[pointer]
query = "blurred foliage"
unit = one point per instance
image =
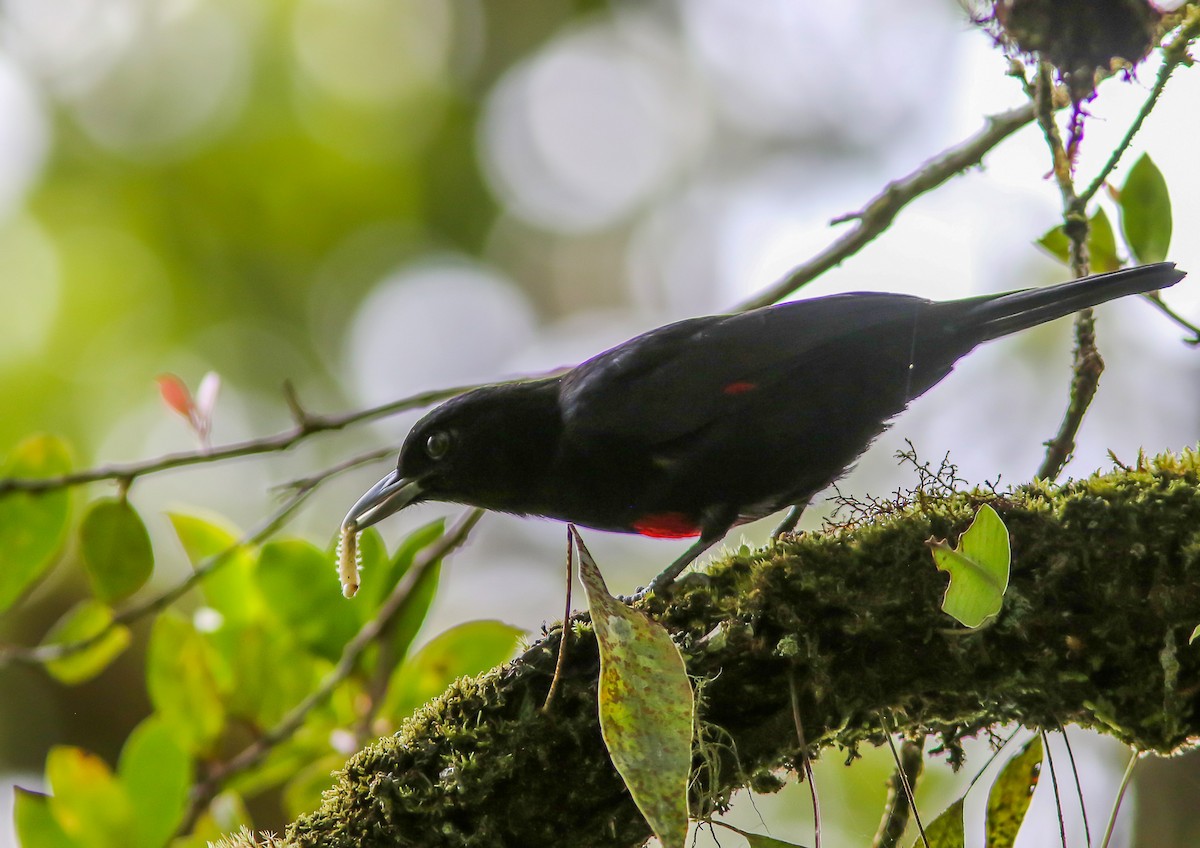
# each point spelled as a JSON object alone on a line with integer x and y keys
{"x": 231, "y": 672}
{"x": 213, "y": 243}
{"x": 156, "y": 238}
{"x": 221, "y": 193}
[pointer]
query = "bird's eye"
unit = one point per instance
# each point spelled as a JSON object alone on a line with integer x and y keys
{"x": 438, "y": 444}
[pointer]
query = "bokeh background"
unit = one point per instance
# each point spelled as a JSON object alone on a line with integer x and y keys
{"x": 372, "y": 198}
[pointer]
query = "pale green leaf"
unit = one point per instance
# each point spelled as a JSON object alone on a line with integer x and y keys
{"x": 379, "y": 576}
{"x": 978, "y": 569}
{"x": 467, "y": 649}
{"x": 116, "y": 549}
{"x": 32, "y": 526}
{"x": 83, "y": 621}
{"x": 263, "y": 651}
{"x": 35, "y": 824}
{"x": 646, "y": 706}
{"x": 156, "y": 773}
{"x": 185, "y": 682}
{"x": 1056, "y": 243}
{"x": 947, "y": 830}
{"x": 87, "y": 800}
{"x": 1102, "y": 245}
{"x": 757, "y": 840}
{"x": 381, "y": 573}
{"x": 1009, "y": 798}
{"x": 1146, "y": 212}
{"x": 229, "y": 588}
{"x": 299, "y": 583}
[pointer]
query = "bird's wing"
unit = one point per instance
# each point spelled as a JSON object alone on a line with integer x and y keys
{"x": 677, "y": 379}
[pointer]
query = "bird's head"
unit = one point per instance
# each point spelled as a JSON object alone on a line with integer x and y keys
{"x": 478, "y": 448}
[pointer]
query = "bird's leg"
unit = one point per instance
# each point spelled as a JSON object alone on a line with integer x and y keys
{"x": 789, "y": 521}
{"x": 668, "y": 575}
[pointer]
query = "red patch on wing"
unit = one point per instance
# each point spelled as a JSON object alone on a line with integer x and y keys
{"x": 666, "y": 525}
{"x": 739, "y": 387}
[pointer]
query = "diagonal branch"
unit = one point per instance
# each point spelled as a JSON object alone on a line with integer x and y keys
{"x": 1175, "y": 53}
{"x": 874, "y": 218}
{"x": 307, "y": 425}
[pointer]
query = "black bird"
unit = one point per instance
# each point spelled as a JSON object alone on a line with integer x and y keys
{"x": 695, "y": 427}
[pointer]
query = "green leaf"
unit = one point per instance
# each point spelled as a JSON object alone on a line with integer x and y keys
{"x": 1101, "y": 244}
{"x": 156, "y": 772}
{"x": 116, "y": 549}
{"x": 32, "y": 526}
{"x": 467, "y": 649}
{"x": 978, "y": 569}
{"x": 83, "y": 621}
{"x": 230, "y": 588}
{"x": 1195, "y": 634}
{"x": 1145, "y": 207}
{"x": 380, "y": 576}
{"x": 88, "y": 802}
{"x": 185, "y": 683}
{"x": 646, "y": 706}
{"x": 1009, "y": 799}
{"x": 757, "y": 840}
{"x": 299, "y": 581}
{"x": 35, "y": 824}
{"x": 1056, "y": 243}
{"x": 947, "y": 830}
{"x": 258, "y": 652}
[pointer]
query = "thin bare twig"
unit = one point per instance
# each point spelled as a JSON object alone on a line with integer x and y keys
{"x": 392, "y": 607}
{"x": 307, "y": 425}
{"x": 1062, "y": 822}
{"x": 805, "y": 760}
{"x": 874, "y": 218}
{"x": 1087, "y": 829}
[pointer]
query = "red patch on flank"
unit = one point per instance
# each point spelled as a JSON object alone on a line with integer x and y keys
{"x": 740, "y": 387}
{"x": 666, "y": 525}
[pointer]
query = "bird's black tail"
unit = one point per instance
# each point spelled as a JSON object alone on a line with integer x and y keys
{"x": 998, "y": 315}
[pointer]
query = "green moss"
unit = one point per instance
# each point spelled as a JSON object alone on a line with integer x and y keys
{"x": 1105, "y": 591}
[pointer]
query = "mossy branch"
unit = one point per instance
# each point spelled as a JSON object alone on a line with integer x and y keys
{"x": 1104, "y": 595}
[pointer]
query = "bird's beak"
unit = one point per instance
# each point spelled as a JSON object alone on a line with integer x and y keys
{"x": 391, "y": 494}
